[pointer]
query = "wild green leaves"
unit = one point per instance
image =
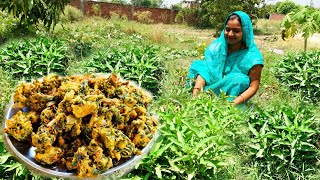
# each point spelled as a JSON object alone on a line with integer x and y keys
{"x": 136, "y": 62}
{"x": 284, "y": 143}
{"x": 197, "y": 140}
{"x": 35, "y": 58}
{"x": 301, "y": 72}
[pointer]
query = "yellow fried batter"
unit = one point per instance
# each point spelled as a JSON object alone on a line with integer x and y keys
{"x": 83, "y": 123}
{"x": 49, "y": 155}
{"x": 20, "y": 125}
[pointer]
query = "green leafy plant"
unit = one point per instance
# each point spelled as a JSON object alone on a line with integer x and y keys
{"x": 300, "y": 71}
{"x": 197, "y": 139}
{"x": 34, "y": 58}
{"x": 305, "y": 21}
{"x": 144, "y": 17}
{"x": 285, "y": 142}
{"x": 96, "y": 9}
{"x": 9, "y": 25}
{"x": 71, "y": 14}
{"x": 139, "y": 63}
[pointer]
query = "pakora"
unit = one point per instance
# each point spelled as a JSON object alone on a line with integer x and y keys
{"x": 82, "y": 123}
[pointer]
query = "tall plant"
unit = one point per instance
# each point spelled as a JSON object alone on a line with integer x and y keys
{"x": 305, "y": 21}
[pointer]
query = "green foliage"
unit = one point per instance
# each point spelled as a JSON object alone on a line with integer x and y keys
{"x": 301, "y": 72}
{"x": 197, "y": 139}
{"x": 144, "y": 17}
{"x": 30, "y": 59}
{"x": 96, "y": 9}
{"x": 188, "y": 15}
{"x": 217, "y": 11}
{"x": 285, "y": 142}
{"x": 71, "y": 14}
{"x": 148, "y": 3}
{"x": 305, "y": 21}
{"x": 287, "y": 6}
{"x": 33, "y": 12}
{"x": 9, "y": 25}
{"x": 139, "y": 63}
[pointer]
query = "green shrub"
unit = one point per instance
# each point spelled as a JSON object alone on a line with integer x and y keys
{"x": 197, "y": 139}
{"x": 71, "y": 14}
{"x": 187, "y": 15}
{"x": 144, "y": 17}
{"x": 9, "y": 25}
{"x": 96, "y": 9}
{"x": 285, "y": 142}
{"x": 139, "y": 63}
{"x": 30, "y": 59}
{"x": 300, "y": 71}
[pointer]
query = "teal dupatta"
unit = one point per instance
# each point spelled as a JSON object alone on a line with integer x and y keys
{"x": 228, "y": 72}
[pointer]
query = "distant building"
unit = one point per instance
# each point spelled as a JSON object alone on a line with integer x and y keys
{"x": 190, "y": 3}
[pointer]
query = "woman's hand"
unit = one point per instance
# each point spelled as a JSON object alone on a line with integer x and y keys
{"x": 255, "y": 75}
{"x": 199, "y": 84}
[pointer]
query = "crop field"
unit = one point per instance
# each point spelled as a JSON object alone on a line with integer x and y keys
{"x": 205, "y": 137}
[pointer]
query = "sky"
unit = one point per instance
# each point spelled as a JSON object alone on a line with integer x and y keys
{"x": 316, "y": 3}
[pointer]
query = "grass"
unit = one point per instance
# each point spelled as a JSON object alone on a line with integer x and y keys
{"x": 100, "y": 33}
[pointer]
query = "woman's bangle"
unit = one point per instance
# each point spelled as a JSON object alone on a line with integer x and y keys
{"x": 242, "y": 98}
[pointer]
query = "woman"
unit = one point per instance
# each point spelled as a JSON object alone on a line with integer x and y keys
{"x": 232, "y": 63}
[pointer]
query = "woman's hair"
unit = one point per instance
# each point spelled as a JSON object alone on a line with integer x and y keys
{"x": 234, "y": 16}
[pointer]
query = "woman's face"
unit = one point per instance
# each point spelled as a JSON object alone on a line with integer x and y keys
{"x": 233, "y": 32}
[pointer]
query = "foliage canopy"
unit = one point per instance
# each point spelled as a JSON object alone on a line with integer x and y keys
{"x": 35, "y": 11}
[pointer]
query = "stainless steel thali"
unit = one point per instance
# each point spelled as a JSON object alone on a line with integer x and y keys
{"x": 24, "y": 152}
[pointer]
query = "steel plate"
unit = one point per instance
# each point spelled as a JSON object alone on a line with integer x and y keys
{"x": 24, "y": 152}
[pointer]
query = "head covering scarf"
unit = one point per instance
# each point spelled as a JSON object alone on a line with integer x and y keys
{"x": 214, "y": 67}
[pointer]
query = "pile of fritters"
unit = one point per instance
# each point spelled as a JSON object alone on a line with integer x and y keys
{"x": 82, "y": 123}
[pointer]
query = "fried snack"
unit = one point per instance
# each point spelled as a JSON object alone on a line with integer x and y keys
{"x": 82, "y": 123}
{"x": 20, "y": 125}
{"x": 48, "y": 155}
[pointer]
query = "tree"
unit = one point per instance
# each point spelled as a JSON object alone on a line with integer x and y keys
{"x": 35, "y": 11}
{"x": 216, "y": 11}
{"x": 287, "y": 6}
{"x": 305, "y": 21}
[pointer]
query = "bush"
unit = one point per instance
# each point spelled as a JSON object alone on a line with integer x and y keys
{"x": 71, "y": 14}
{"x": 9, "y": 25}
{"x": 198, "y": 139}
{"x": 96, "y": 9}
{"x": 115, "y": 15}
{"x": 144, "y": 17}
{"x": 285, "y": 142}
{"x": 30, "y": 59}
{"x": 300, "y": 71}
{"x": 188, "y": 16}
{"x": 139, "y": 63}
{"x": 287, "y": 6}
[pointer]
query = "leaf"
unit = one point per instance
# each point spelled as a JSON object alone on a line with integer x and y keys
{"x": 260, "y": 153}
{"x": 253, "y": 130}
{"x": 158, "y": 171}
{"x": 4, "y": 157}
{"x": 161, "y": 150}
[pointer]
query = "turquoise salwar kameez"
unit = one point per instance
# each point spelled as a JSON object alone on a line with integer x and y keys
{"x": 228, "y": 72}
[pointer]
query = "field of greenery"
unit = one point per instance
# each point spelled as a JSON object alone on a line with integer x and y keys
{"x": 205, "y": 137}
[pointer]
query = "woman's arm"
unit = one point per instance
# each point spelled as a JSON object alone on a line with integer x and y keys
{"x": 199, "y": 84}
{"x": 255, "y": 75}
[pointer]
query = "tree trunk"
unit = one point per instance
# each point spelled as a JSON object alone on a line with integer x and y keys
{"x": 82, "y": 6}
{"x": 305, "y": 44}
{"x": 132, "y": 9}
